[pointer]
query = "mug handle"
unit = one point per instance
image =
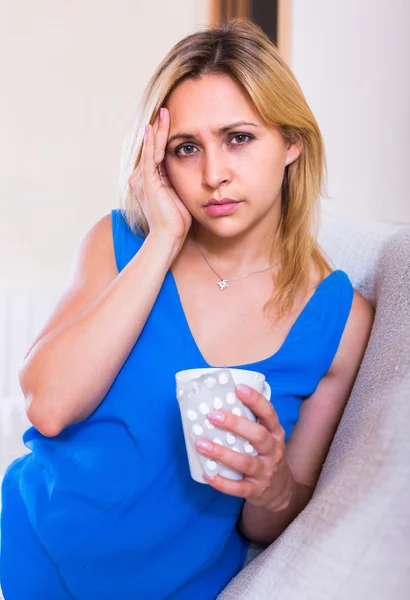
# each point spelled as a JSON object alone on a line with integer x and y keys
{"x": 267, "y": 392}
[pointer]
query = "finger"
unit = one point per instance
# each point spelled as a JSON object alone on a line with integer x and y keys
{"x": 261, "y": 407}
{"x": 162, "y": 135}
{"x": 136, "y": 183}
{"x": 156, "y": 126}
{"x": 242, "y": 488}
{"x": 256, "y": 434}
{"x": 162, "y": 170}
{"x": 135, "y": 179}
{"x": 149, "y": 168}
{"x": 244, "y": 463}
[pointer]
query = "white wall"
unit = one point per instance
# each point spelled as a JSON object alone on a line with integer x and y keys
{"x": 71, "y": 76}
{"x": 352, "y": 59}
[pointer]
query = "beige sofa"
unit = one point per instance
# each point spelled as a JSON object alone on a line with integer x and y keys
{"x": 352, "y": 541}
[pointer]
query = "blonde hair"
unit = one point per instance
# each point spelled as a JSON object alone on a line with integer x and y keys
{"x": 244, "y": 52}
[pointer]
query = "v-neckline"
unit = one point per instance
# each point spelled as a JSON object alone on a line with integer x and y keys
{"x": 286, "y": 341}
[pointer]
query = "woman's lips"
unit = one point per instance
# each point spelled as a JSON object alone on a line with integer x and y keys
{"x": 221, "y": 209}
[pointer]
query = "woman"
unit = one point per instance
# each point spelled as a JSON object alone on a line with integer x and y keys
{"x": 213, "y": 261}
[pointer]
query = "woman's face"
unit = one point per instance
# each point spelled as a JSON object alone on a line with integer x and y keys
{"x": 245, "y": 162}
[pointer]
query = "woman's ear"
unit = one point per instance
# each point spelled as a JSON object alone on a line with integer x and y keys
{"x": 293, "y": 152}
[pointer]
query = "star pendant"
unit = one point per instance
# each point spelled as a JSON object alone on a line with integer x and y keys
{"x": 222, "y": 284}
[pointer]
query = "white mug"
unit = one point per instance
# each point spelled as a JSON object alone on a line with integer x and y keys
{"x": 184, "y": 380}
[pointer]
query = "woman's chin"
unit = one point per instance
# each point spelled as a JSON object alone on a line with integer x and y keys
{"x": 222, "y": 229}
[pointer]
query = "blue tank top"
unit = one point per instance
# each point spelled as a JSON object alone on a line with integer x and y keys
{"x": 107, "y": 509}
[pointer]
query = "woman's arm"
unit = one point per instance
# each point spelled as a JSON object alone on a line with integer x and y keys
{"x": 310, "y": 440}
{"x": 72, "y": 363}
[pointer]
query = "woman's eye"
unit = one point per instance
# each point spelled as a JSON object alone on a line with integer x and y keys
{"x": 241, "y": 135}
{"x": 243, "y": 138}
{"x": 177, "y": 151}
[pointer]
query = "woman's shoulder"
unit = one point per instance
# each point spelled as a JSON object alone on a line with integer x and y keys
{"x": 96, "y": 251}
{"x": 355, "y": 337}
{"x": 106, "y": 240}
{"x": 98, "y": 239}
{"x": 120, "y": 221}
{"x": 361, "y": 310}
{"x": 316, "y": 279}
{"x": 336, "y": 276}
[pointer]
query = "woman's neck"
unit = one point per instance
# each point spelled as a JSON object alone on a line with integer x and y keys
{"x": 234, "y": 255}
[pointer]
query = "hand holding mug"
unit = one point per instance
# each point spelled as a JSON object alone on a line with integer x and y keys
{"x": 267, "y": 481}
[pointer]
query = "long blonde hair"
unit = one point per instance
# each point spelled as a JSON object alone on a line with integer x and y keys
{"x": 245, "y": 53}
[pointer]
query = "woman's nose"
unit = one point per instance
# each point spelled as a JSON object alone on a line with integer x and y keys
{"x": 216, "y": 169}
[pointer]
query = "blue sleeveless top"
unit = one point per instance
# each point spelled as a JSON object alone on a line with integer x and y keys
{"x": 107, "y": 509}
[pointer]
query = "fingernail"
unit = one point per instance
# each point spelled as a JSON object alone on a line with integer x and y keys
{"x": 216, "y": 416}
{"x": 244, "y": 389}
{"x": 161, "y": 113}
{"x": 204, "y": 444}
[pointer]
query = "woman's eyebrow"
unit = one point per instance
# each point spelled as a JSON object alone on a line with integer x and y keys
{"x": 222, "y": 130}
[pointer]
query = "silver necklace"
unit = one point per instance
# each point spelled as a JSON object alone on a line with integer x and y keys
{"x": 223, "y": 283}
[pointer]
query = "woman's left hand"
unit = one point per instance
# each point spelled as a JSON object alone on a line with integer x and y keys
{"x": 268, "y": 481}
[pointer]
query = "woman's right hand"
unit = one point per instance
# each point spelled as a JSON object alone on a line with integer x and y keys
{"x": 164, "y": 210}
